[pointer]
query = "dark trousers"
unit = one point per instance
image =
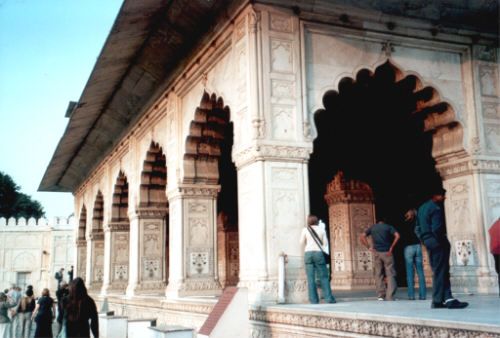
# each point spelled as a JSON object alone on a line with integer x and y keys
{"x": 440, "y": 264}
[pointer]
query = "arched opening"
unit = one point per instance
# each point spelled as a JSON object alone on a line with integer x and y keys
{"x": 153, "y": 179}
{"x": 208, "y": 160}
{"x": 376, "y": 135}
{"x": 82, "y": 224}
{"x": 81, "y": 244}
{"x": 97, "y": 243}
{"x": 154, "y": 231}
{"x": 119, "y": 227}
{"x": 119, "y": 208}
{"x": 98, "y": 214}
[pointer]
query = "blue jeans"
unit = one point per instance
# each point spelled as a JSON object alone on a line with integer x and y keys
{"x": 315, "y": 262}
{"x": 413, "y": 256}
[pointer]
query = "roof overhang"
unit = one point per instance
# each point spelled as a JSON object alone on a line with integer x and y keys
{"x": 148, "y": 46}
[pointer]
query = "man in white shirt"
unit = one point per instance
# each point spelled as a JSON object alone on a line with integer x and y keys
{"x": 316, "y": 243}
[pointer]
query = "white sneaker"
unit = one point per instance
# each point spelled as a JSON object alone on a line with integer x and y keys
{"x": 380, "y": 298}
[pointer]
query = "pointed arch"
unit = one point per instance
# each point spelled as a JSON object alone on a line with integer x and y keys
{"x": 82, "y": 224}
{"x": 98, "y": 213}
{"x": 438, "y": 116}
{"x": 206, "y": 132}
{"x": 119, "y": 207}
{"x": 153, "y": 178}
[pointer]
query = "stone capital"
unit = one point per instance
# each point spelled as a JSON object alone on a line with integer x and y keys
{"x": 117, "y": 226}
{"x": 96, "y": 236}
{"x": 194, "y": 191}
{"x": 267, "y": 152}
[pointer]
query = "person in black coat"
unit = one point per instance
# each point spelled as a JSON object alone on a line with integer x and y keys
{"x": 79, "y": 308}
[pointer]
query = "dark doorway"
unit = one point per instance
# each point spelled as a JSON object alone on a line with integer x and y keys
{"x": 372, "y": 130}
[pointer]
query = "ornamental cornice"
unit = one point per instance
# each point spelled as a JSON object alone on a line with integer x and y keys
{"x": 200, "y": 285}
{"x": 96, "y": 236}
{"x": 194, "y": 191}
{"x": 193, "y": 308}
{"x": 81, "y": 242}
{"x": 468, "y": 166}
{"x": 271, "y": 152}
{"x": 151, "y": 212}
{"x": 377, "y": 328}
{"x": 117, "y": 226}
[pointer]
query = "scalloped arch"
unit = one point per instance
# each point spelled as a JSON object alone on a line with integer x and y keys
{"x": 438, "y": 115}
{"x": 153, "y": 178}
{"x": 202, "y": 147}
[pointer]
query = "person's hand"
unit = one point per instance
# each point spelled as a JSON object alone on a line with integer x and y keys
{"x": 373, "y": 250}
{"x": 390, "y": 252}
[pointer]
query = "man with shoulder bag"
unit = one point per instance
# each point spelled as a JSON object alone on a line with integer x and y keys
{"x": 316, "y": 246}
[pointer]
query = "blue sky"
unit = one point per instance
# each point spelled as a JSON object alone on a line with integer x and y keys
{"x": 47, "y": 51}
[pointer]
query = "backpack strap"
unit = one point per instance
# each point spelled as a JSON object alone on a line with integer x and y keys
{"x": 316, "y": 238}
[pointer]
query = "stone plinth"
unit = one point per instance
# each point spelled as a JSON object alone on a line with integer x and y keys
{"x": 351, "y": 211}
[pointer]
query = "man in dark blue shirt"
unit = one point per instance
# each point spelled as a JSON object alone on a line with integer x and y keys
{"x": 384, "y": 238}
{"x": 431, "y": 231}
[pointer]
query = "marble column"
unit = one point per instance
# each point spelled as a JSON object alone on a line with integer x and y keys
{"x": 351, "y": 211}
{"x": 147, "y": 252}
{"x": 116, "y": 257}
{"x": 193, "y": 241}
{"x": 95, "y": 262}
{"x": 81, "y": 259}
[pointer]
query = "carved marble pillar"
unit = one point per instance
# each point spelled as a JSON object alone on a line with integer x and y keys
{"x": 95, "y": 263}
{"x": 116, "y": 271}
{"x": 351, "y": 211}
{"x": 147, "y": 252}
{"x": 193, "y": 241}
{"x": 272, "y": 188}
{"x": 81, "y": 259}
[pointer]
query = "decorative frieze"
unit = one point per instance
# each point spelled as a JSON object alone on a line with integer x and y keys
{"x": 270, "y": 153}
{"x": 274, "y": 323}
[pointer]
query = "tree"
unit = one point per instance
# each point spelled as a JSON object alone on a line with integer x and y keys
{"x": 16, "y": 204}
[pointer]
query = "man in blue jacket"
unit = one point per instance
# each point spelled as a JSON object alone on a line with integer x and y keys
{"x": 431, "y": 230}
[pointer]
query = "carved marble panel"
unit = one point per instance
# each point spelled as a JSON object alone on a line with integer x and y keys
{"x": 151, "y": 269}
{"x": 281, "y": 56}
{"x": 120, "y": 272}
{"x": 280, "y": 23}
{"x": 199, "y": 263}
{"x": 491, "y": 110}
{"x": 364, "y": 261}
{"x": 282, "y": 89}
{"x": 284, "y": 177}
{"x": 198, "y": 232}
{"x": 492, "y": 133}
{"x": 98, "y": 274}
{"x": 338, "y": 261}
{"x": 152, "y": 245}
{"x": 488, "y": 79}
{"x": 283, "y": 122}
{"x": 464, "y": 251}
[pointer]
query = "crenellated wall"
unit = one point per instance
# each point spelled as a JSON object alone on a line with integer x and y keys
{"x": 31, "y": 251}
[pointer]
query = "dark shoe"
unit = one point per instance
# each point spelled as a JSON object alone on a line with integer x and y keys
{"x": 332, "y": 301}
{"x": 422, "y": 298}
{"x": 411, "y": 298}
{"x": 437, "y": 305}
{"x": 455, "y": 304}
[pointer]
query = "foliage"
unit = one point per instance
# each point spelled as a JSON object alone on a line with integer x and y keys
{"x": 16, "y": 204}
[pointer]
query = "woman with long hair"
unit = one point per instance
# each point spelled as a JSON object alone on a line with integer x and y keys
{"x": 79, "y": 308}
{"x": 25, "y": 310}
{"x": 44, "y": 315}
